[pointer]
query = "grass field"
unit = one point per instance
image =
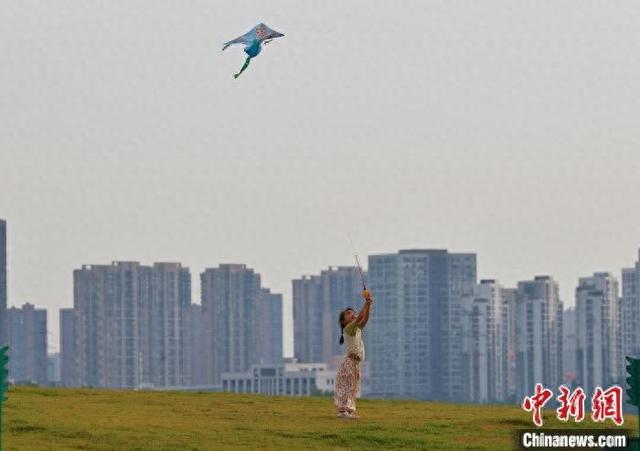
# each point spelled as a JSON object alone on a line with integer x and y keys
{"x": 45, "y": 418}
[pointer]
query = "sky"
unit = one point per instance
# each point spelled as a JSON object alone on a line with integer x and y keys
{"x": 498, "y": 127}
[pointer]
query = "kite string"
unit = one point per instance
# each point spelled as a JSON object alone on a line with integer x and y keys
{"x": 355, "y": 254}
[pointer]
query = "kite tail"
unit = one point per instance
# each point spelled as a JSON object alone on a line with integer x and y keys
{"x": 246, "y": 64}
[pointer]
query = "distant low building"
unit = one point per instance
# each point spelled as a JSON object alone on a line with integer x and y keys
{"x": 191, "y": 388}
{"x": 289, "y": 378}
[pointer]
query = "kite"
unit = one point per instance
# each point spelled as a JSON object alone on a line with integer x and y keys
{"x": 253, "y": 40}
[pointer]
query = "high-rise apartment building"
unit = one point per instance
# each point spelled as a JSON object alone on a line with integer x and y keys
{"x": 236, "y": 310}
{"x": 130, "y": 325}
{"x": 598, "y": 331}
{"x": 417, "y": 332}
{"x": 630, "y": 310}
{"x": 538, "y": 335}
{"x": 270, "y": 340}
{"x": 491, "y": 343}
{"x": 67, "y": 348}
{"x": 28, "y": 344}
{"x": 317, "y": 302}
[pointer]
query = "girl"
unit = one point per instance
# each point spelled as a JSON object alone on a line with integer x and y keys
{"x": 348, "y": 378}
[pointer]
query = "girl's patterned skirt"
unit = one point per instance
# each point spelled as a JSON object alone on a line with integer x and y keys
{"x": 347, "y": 387}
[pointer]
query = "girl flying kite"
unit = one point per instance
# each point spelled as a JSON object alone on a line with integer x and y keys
{"x": 252, "y": 41}
{"x": 347, "y": 387}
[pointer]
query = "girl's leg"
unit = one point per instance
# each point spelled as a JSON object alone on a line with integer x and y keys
{"x": 345, "y": 391}
{"x": 246, "y": 64}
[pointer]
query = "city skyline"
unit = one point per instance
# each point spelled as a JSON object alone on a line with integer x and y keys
{"x": 134, "y": 326}
{"x": 498, "y": 341}
{"x": 54, "y": 327}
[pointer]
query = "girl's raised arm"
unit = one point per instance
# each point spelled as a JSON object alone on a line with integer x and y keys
{"x": 363, "y": 316}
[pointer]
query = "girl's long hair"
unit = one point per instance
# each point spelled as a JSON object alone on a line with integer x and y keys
{"x": 340, "y": 320}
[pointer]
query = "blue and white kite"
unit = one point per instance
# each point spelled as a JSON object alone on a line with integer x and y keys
{"x": 253, "y": 40}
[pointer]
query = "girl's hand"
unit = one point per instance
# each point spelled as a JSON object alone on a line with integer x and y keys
{"x": 366, "y": 294}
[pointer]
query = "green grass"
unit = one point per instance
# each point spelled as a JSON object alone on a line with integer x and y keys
{"x": 46, "y": 418}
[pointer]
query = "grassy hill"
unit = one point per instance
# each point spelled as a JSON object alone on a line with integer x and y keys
{"x": 45, "y": 418}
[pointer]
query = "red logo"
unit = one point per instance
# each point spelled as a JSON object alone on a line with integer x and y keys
{"x": 536, "y": 402}
{"x": 571, "y": 404}
{"x": 605, "y": 404}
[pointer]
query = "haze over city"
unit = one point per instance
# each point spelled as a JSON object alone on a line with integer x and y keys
{"x": 505, "y": 131}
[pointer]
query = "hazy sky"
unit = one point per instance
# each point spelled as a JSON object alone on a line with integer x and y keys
{"x": 501, "y": 127}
